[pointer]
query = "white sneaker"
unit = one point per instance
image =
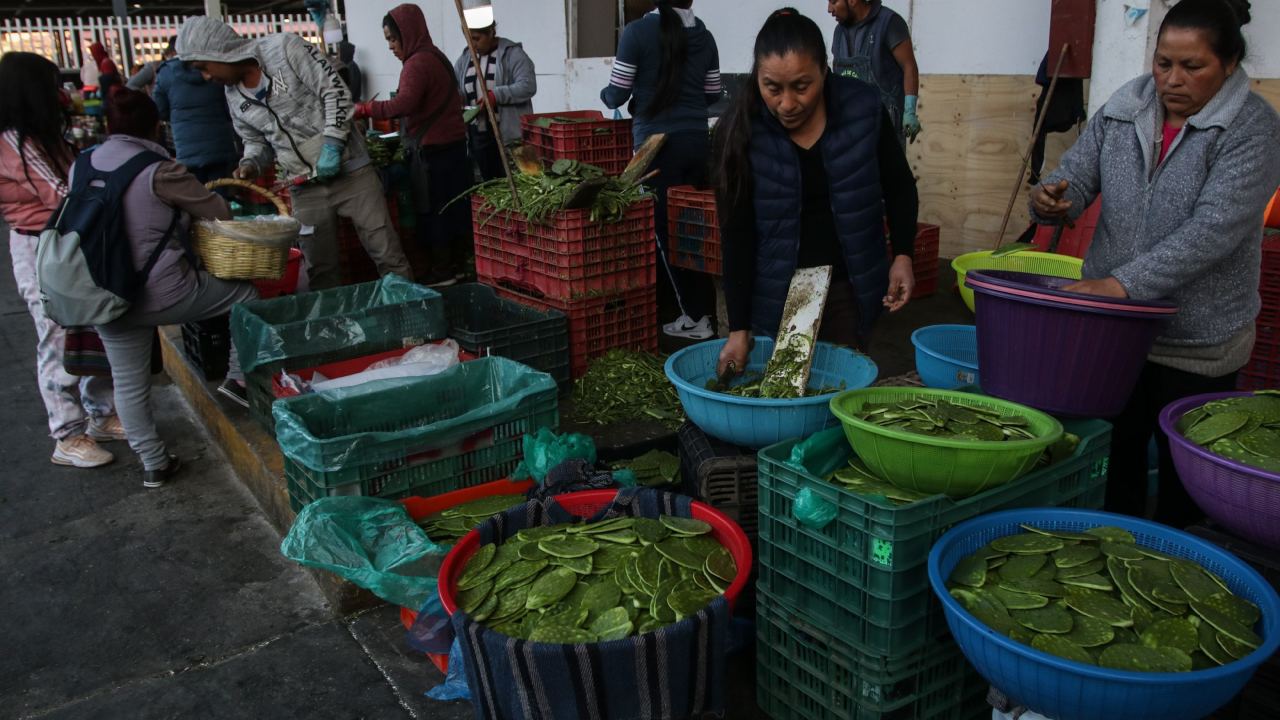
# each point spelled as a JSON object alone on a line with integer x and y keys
{"x": 107, "y": 429}
{"x": 685, "y": 327}
{"x": 80, "y": 451}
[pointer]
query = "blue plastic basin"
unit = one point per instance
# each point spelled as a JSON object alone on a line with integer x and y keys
{"x": 947, "y": 355}
{"x": 755, "y": 422}
{"x": 1067, "y": 690}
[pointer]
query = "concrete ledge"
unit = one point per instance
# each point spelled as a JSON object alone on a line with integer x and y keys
{"x": 255, "y": 458}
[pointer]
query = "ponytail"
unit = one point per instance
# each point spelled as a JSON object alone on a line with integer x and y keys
{"x": 675, "y": 50}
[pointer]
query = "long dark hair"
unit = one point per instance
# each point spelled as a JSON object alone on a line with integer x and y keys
{"x": 1220, "y": 19}
{"x": 675, "y": 50}
{"x": 30, "y": 104}
{"x": 786, "y": 31}
{"x": 392, "y": 26}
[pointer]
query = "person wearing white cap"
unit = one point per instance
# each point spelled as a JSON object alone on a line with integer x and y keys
{"x": 511, "y": 81}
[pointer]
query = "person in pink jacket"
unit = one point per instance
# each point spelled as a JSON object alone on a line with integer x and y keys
{"x": 34, "y": 161}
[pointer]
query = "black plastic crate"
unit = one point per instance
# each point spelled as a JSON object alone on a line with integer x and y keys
{"x": 724, "y": 476}
{"x": 487, "y": 325}
{"x": 207, "y": 344}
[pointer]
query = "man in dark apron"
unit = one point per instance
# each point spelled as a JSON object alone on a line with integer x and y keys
{"x": 873, "y": 43}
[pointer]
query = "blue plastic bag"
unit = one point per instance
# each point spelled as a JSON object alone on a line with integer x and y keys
{"x": 455, "y": 685}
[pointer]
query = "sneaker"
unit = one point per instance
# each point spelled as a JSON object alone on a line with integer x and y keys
{"x": 234, "y": 391}
{"x": 685, "y": 327}
{"x": 107, "y": 429}
{"x": 80, "y": 451}
{"x": 157, "y": 478}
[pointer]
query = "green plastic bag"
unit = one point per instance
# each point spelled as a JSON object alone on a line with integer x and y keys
{"x": 823, "y": 453}
{"x": 388, "y": 420}
{"x": 812, "y": 510}
{"x": 545, "y": 449}
{"x": 371, "y": 542}
{"x": 377, "y": 315}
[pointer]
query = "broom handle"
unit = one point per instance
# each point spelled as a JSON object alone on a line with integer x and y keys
{"x": 1026, "y": 159}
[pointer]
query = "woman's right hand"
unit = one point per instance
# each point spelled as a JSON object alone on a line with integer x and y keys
{"x": 246, "y": 171}
{"x": 735, "y": 352}
{"x": 1047, "y": 200}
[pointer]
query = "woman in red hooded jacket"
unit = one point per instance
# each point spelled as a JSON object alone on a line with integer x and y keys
{"x": 431, "y": 129}
{"x": 108, "y": 73}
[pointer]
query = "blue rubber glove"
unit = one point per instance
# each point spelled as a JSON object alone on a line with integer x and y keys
{"x": 910, "y": 121}
{"x": 330, "y": 163}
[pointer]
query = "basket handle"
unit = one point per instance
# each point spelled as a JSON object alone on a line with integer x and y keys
{"x": 246, "y": 185}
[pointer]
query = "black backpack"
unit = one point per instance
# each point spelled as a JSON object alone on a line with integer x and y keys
{"x": 84, "y": 261}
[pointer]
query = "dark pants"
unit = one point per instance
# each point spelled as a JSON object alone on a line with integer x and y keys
{"x": 445, "y": 231}
{"x": 840, "y": 317}
{"x": 684, "y": 160}
{"x": 1127, "y": 474}
{"x": 484, "y": 153}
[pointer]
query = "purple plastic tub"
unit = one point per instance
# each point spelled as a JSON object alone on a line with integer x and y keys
{"x": 1065, "y": 353}
{"x": 1242, "y": 499}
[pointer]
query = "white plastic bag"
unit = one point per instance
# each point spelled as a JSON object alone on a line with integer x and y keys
{"x": 419, "y": 362}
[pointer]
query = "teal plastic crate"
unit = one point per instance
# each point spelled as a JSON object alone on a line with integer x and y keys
{"x": 864, "y": 575}
{"x": 425, "y": 436}
{"x": 806, "y": 673}
{"x": 487, "y": 325}
{"x": 317, "y": 328}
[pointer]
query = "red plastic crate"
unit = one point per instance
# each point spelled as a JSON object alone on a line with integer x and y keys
{"x": 600, "y": 324}
{"x": 287, "y": 284}
{"x": 568, "y": 258}
{"x": 693, "y": 230}
{"x": 604, "y": 143}
{"x": 1074, "y": 241}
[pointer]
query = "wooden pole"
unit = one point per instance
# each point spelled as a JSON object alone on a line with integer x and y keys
{"x": 482, "y": 90}
{"x": 1026, "y": 159}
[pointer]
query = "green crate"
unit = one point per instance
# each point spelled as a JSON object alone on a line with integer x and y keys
{"x": 316, "y": 328}
{"x": 865, "y": 574}
{"x": 806, "y": 673}
{"x": 423, "y": 436}
{"x": 487, "y": 325}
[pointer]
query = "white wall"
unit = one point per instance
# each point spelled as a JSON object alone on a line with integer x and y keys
{"x": 1008, "y": 37}
{"x": 537, "y": 24}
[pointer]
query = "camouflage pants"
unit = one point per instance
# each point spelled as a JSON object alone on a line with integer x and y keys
{"x": 69, "y": 400}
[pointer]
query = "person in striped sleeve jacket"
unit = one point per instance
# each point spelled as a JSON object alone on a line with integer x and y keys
{"x": 667, "y": 72}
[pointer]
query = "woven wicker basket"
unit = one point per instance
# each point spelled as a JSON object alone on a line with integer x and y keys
{"x": 244, "y": 249}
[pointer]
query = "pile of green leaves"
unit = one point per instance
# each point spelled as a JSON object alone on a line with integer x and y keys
{"x": 653, "y": 469}
{"x": 1245, "y": 429}
{"x": 542, "y": 196}
{"x": 627, "y": 385}
{"x": 384, "y": 152}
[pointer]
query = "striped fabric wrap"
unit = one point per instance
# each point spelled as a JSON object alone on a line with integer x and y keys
{"x": 675, "y": 672}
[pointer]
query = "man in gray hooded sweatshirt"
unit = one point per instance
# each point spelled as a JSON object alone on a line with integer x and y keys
{"x": 289, "y": 106}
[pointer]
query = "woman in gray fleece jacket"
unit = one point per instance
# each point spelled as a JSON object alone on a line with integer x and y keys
{"x": 1185, "y": 160}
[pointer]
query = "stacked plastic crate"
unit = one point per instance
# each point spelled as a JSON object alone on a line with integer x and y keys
{"x": 847, "y": 625}
{"x": 693, "y": 232}
{"x": 602, "y": 276}
{"x": 1263, "y": 370}
{"x": 582, "y": 135}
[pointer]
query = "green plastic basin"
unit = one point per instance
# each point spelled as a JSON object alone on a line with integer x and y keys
{"x": 958, "y": 468}
{"x": 1029, "y": 262}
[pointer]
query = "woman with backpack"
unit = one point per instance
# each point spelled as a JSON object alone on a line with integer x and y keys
{"x": 158, "y": 206}
{"x": 668, "y": 67}
{"x": 34, "y": 161}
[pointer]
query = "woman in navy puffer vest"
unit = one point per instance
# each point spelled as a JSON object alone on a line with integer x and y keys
{"x": 809, "y": 166}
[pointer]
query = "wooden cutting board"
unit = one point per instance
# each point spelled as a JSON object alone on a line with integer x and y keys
{"x": 798, "y": 331}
